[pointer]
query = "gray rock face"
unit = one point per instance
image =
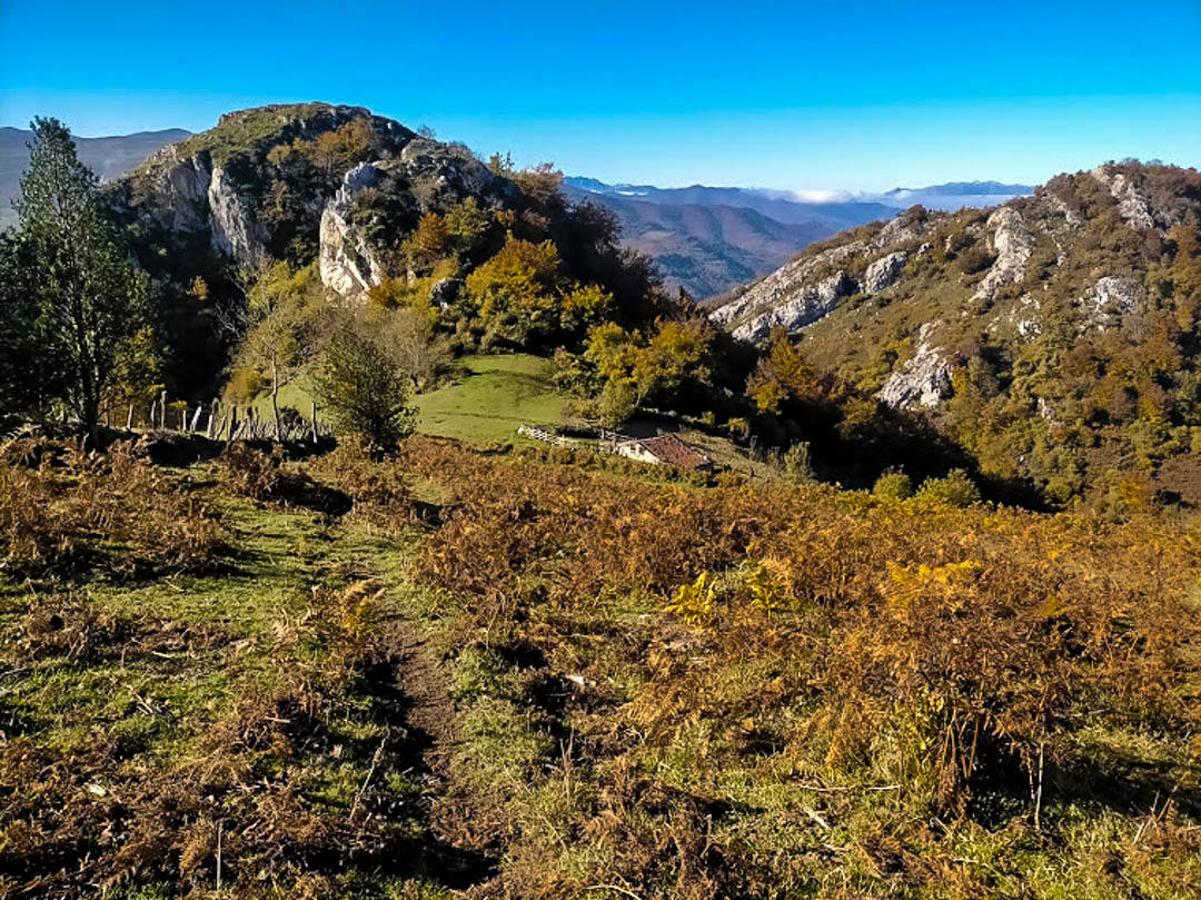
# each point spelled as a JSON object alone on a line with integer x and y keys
{"x": 1132, "y": 206}
{"x": 441, "y": 174}
{"x": 234, "y": 230}
{"x": 786, "y": 285}
{"x": 884, "y": 272}
{"x": 924, "y": 380}
{"x": 899, "y": 230}
{"x": 347, "y": 263}
{"x": 1012, "y": 242}
{"x": 802, "y": 308}
{"x": 183, "y": 186}
{"x": 1112, "y": 297}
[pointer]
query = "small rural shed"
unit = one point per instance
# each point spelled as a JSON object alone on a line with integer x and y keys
{"x": 664, "y": 450}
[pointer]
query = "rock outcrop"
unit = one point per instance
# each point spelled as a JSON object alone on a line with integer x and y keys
{"x": 1111, "y": 298}
{"x": 804, "y": 306}
{"x": 182, "y": 185}
{"x": 235, "y": 232}
{"x": 923, "y": 381}
{"x": 884, "y": 272}
{"x": 1132, "y": 206}
{"x": 346, "y": 260}
{"x": 1013, "y": 244}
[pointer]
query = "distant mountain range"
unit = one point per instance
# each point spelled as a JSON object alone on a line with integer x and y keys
{"x": 704, "y": 239}
{"x": 711, "y": 239}
{"x": 108, "y": 157}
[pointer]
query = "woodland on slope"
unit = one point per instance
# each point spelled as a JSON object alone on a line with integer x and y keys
{"x": 1047, "y": 347}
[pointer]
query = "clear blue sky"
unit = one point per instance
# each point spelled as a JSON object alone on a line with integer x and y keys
{"x": 850, "y": 95}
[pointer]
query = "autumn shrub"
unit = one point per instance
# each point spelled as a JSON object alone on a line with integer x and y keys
{"x": 111, "y": 509}
{"x": 956, "y": 657}
{"x": 893, "y": 485}
{"x": 956, "y": 488}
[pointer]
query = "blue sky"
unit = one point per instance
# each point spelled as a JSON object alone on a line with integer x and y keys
{"x": 852, "y": 95}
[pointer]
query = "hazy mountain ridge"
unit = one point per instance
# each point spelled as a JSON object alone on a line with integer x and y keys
{"x": 707, "y": 265}
{"x": 109, "y": 157}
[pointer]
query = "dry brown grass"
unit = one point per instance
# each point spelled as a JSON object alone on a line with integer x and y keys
{"x": 76, "y": 508}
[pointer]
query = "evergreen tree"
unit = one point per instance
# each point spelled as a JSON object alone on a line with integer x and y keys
{"x": 20, "y": 388}
{"x": 89, "y": 298}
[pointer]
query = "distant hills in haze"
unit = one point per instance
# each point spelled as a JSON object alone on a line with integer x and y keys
{"x": 704, "y": 239}
{"x": 108, "y": 157}
{"x": 711, "y": 239}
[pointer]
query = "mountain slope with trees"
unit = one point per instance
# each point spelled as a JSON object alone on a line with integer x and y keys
{"x": 1055, "y": 337}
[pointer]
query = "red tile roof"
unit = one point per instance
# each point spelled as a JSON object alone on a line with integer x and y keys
{"x": 672, "y": 451}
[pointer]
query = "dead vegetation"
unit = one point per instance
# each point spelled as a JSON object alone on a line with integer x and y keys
{"x": 581, "y": 683}
{"x": 63, "y": 509}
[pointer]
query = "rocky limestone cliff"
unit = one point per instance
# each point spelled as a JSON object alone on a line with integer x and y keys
{"x": 925, "y": 378}
{"x": 234, "y": 229}
{"x": 348, "y": 263}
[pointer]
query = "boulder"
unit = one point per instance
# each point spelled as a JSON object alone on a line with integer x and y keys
{"x": 884, "y": 272}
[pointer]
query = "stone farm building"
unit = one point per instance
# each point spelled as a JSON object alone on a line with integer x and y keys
{"x": 663, "y": 449}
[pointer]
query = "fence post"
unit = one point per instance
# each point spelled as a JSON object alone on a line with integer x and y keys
{"x": 212, "y": 417}
{"x": 314, "y": 421}
{"x": 162, "y": 411}
{"x": 196, "y": 416}
{"x": 153, "y": 412}
{"x": 129, "y": 419}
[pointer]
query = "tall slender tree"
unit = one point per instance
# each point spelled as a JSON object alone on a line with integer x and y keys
{"x": 20, "y": 387}
{"x": 89, "y": 297}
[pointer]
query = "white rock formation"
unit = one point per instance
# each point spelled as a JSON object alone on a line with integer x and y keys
{"x": 802, "y": 308}
{"x": 1132, "y": 206}
{"x": 1112, "y": 297}
{"x": 924, "y": 380}
{"x": 183, "y": 186}
{"x": 782, "y": 286}
{"x": 234, "y": 230}
{"x": 1013, "y": 244}
{"x": 900, "y": 229}
{"x": 884, "y": 272}
{"x": 347, "y": 263}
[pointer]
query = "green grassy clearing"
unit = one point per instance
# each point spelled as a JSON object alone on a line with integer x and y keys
{"x": 494, "y": 396}
{"x": 485, "y": 402}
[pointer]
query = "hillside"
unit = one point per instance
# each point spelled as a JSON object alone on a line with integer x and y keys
{"x": 1055, "y": 337}
{"x": 475, "y": 671}
{"x": 370, "y": 215}
{"x": 108, "y": 157}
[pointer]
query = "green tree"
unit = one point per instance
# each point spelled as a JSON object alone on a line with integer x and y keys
{"x": 516, "y": 291}
{"x": 89, "y": 298}
{"x": 281, "y": 330}
{"x": 21, "y": 387}
{"x": 364, "y": 392}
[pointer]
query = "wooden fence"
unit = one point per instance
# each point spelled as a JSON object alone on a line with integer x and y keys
{"x": 221, "y": 421}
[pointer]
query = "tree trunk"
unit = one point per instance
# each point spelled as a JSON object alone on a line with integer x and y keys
{"x": 279, "y": 426}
